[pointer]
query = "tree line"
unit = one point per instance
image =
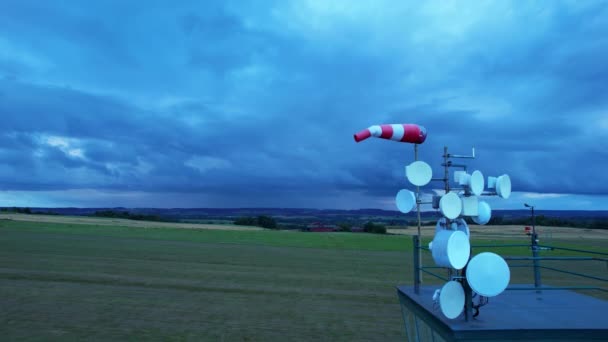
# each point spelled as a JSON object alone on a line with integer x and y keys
{"x": 368, "y": 227}
{"x": 26, "y": 210}
{"x": 260, "y": 221}
{"x": 127, "y": 215}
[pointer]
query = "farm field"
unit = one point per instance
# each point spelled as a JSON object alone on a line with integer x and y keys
{"x": 102, "y": 221}
{"x": 65, "y": 280}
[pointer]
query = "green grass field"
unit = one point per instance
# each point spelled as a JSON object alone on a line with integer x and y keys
{"x": 75, "y": 281}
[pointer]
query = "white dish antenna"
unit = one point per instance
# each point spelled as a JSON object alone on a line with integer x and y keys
{"x": 484, "y": 213}
{"x": 488, "y": 274}
{"x": 473, "y": 182}
{"x": 477, "y": 183}
{"x": 419, "y": 173}
{"x": 405, "y": 200}
{"x": 470, "y": 206}
{"x": 451, "y": 299}
{"x": 451, "y": 249}
{"x": 450, "y": 205}
{"x": 503, "y": 186}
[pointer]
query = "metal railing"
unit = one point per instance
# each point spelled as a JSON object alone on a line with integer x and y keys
{"x": 536, "y": 264}
{"x": 538, "y": 267}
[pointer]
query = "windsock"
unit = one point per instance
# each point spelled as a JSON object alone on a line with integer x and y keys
{"x": 409, "y": 133}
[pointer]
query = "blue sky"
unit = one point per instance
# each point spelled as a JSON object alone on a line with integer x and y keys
{"x": 253, "y": 104}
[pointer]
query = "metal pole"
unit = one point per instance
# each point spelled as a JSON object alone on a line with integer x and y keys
{"x": 417, "y": 268}
{"x": 468, "y": 292}
{"x": 468, "y": 297}
{"x": 417, "y": 191}
{"x": 534, "y": 246}
{"x": 418, "y": 250}
{"x": 446, "y": 176}
{"x": 446, "y": 184}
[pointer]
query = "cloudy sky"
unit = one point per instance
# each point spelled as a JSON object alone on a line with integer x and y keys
{"x": 254, "y": 103}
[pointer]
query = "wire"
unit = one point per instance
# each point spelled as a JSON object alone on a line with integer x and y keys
{"x": 482, "y": 302}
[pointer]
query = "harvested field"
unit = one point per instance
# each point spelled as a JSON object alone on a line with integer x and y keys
{"x": 102, "y": 221}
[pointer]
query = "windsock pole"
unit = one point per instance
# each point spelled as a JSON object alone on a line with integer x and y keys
{"x": 407, "y": 133}
{"x": 418, "y": 200}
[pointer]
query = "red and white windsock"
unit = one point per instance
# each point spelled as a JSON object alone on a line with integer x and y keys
{"x": 409, "y": 133}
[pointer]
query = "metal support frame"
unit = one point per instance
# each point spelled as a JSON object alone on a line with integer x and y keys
{"x": 468, "y": 292}
{"x": 535, "y": 249}
{"x": 451, "y": 273}
{"x": 418, "y": 268}
{"x": 456, "y": 275}
{"x": 461, "y": 275}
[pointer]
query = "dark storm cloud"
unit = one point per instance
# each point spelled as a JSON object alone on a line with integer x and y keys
{"x": 226, "y": 100}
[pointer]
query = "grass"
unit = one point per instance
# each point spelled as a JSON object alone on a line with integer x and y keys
{"x": 262, "y": 237}
{"x": 61, "y": 281}
{"x": 370, "y": 242}
{"x": 67, "y": 282}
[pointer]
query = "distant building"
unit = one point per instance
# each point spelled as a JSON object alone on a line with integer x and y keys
{"x": 321, "y": 227}
{"x": 357, "y": 230}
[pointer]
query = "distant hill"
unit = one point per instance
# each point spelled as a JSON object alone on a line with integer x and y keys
{"x": 298, "y": 212}
{"x": 297, "y": 218}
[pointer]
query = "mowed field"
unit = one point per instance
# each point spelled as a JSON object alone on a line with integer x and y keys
{"x": 104, "y": 221}
{"x": 66, "y": 280}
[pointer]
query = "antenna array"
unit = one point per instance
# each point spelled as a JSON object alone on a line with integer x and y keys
{"x": 487, "y": 274}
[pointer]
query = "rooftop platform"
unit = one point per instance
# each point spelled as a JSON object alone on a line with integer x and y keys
{"x": 520, "y": 315}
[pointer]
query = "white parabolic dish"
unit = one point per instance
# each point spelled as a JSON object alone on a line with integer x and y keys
{"x": 451, "y": 249}
{"x": 488, "y": 274}
{"x": 451, "y": 299}
{"x": 484, "y": 213}
{"x": 405, "y": 200}
{"x": 450, "y": 205}
{"x": 419, "y": 173}
{"x": 503, "y": 186}
{"x": 477, "y": 183}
